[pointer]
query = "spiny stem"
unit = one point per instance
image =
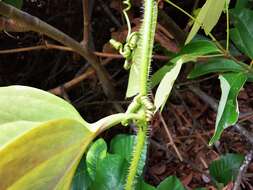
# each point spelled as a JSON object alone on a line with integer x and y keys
{"x": 144, "y": 54}
{"x": 148, "y": 31}
{"x": 227, "y": 16}
{"x": 140, "y": 143}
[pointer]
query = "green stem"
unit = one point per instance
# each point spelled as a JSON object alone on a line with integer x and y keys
{"x": 112, "y": 120}
{"x": 148, "y": 32}
{"x": 146, "y": 41}
{"x": 140, "y": 143}
{"x": 227, "y": 15}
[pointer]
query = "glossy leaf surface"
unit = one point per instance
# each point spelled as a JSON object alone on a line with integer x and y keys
{"x": 97, "y": 152}
{"x": 214, "y": 66}
{"x": 123, "y": 145}
{"x": 226, "y": 168}
{"x": 111, "y": 173}
{"x": 194, "y": 49}
{"x": 227, "y": 115}
{"x": 242, "y": 34}
{"x": 171, "y": 183}
{"x": 141, "y": 185}
{"x": 81, "y": 179}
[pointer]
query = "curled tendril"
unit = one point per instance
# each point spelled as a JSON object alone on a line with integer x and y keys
{"x": 126, "y": 50}
{"x": 128, "y": 5}
{"x": 139, "y": 102}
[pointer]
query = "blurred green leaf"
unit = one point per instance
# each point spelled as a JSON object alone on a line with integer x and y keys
{"x": 196, "y": 48}
{"x": 171, "y": 183}
{"x": 96, "y": 153}
{"x": 242, "y": 34}
{"x": 207, "y": 17}
{"x": 241, "y": 4}
{"x": 231, "y": 84}
{"x": 141, "y": 185}
{"x": 199, "y": 47}
{"x": 123, "y": 145}
{"x": 226, "y": 168}
{"x": 111, "y": 173}
{"x": 166, "y": 84}
{"x": 81, "y": 179}
{"x": 16, "y": 3}
{"x": 217, "y": 65}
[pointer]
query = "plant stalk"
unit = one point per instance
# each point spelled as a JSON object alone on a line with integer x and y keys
{"x": 146, "y": 41}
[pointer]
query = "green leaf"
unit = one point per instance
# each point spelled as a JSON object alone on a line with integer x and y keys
{"x": 44, "y": 156}
{"x": 81, "y": 179}
{"x": 123, "y": 145}
{"x": 214, "y": 66}
{"x": 141, "y": 185}
{"x": 158, "y": 75}
{"x": 231, "y": 84}
{"x": 21, "y": 103}
{"x": 96, "y": 153}
{"x": 16, "y": 3}
{"x": 199, "y": 48}
{"x": 195, "y": 48}
{"x": 171, "y": 183}
{"x": 241, "y": 4}
{"x": 111, "y": 173}
{"x": 242, "y": 34}
{"x": 165, "y": 86}
{"x": 226, "y": 168}
{"x": 207, "y": 17}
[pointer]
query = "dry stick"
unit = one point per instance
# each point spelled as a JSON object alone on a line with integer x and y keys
{"x": 242, "y": 170}
{"x": 86, "y": 23}
{"x": 63, "y": 48}
{"x": 37, "y": 25}
{"x": 75, "y": 81}
{"x": 170, "y": 137}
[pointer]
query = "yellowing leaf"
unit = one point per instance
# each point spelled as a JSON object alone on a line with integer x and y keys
{"x": 43, "y": 157}
{"x": 207, "y": 17}
{"x": 42, "y": 139}
{"x": 12, "y": 130}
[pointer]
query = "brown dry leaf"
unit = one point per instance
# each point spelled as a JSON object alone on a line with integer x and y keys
{"x": 229, "y": 186}
{"x": 158, "y": 169}
{"x": 187, "y": 180}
